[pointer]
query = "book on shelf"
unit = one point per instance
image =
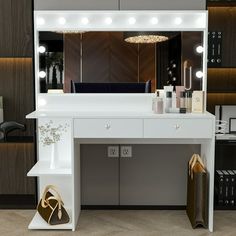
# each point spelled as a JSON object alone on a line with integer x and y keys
{"x": 232, "y": 188}
{"x": 226, "y": 187}
{"x": 219, "y": 185}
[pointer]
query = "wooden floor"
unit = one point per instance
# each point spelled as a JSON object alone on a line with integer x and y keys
{"x": 117, "y": 223}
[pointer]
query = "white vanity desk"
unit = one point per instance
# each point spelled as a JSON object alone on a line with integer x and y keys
{"x": 131, "y": 122}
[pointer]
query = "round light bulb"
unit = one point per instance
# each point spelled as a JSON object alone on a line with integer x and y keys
{"x": 178, "y": 20}
{"x": 42, "y": 102}
{"x": 42, "y": 74}
{"x": 62, "y": 20}
{"x": 41, "y": 49}
{"x": 85, "y": 20}
{"x": 154, "y": 20}
{"x": 108, "y": 20}
{"x": 200, "y": 21}
{"x": 199, "y": 74}
{"x": 132, "y": 20}
{"x": 40, "y": 21}
{"x": 199, "y": 49}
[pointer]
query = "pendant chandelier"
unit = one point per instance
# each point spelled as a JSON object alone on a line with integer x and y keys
{"x": 146, "y": 37}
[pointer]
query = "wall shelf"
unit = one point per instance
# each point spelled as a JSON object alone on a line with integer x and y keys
{"x": 42, "y": 168}
{"x": 39, "y": 223}
{"x": 18, "y": 139}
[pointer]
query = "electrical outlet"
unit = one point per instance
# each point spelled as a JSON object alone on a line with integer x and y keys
{"x": 126, "y": 151}
{"x": 113, "y": 151}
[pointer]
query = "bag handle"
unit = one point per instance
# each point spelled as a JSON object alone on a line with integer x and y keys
{"x": 195, "y": 159}
{"x": 57, "y": 197}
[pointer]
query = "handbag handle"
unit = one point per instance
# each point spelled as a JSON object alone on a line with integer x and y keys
{"x": 195, "y": 159}
{"x": 45, "y": 202}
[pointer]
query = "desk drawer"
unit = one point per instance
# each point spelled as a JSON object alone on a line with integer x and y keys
{"x": 108, "y": 128}
{"x": 177, "y": 128}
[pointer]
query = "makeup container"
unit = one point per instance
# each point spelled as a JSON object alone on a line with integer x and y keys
{"x": 168, "y": 101}
{"x": 188, "y": 101}
{"x": 182, "y": 103}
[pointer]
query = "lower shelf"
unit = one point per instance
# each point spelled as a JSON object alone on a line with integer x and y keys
{"x": 39, "y": 223}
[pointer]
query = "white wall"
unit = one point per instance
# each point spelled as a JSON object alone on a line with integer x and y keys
{"x": 122, "y": 4}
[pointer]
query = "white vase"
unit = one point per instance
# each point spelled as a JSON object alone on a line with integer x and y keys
{"x": 54, "y": 156}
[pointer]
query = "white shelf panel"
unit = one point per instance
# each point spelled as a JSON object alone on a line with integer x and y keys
{"x": 43, "y": 168}
{"x": 39, "y": 223}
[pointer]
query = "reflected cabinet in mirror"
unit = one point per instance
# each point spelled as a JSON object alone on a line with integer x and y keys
{"x": 119, "y": 62}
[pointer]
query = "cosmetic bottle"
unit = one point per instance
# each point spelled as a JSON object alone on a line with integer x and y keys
{"x": 158, "y": 104}
{"x": 168, "y": 101}
{"x": 182, "y": 100}
{"x": 188, "y": 101}
{"x": 174, "y": 102}
{"x": 198, "y": 102}
{"x": 158, "y": 107}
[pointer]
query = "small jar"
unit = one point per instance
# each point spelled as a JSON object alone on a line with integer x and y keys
{"x": 188, "y": 101}
{"x": 168, "y": 101}
{"x": 182, "y": 103}
{"x": 158, "y": 105}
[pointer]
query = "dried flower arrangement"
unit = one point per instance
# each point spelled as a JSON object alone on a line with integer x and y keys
{"x": 50, "y": 134}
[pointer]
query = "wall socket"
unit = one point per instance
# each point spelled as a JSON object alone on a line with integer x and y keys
{"x": 125, "y": 151}
{"x": 113, "y": 151}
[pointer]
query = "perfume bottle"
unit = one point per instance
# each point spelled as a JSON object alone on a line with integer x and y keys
{"x": 168, "y": 102}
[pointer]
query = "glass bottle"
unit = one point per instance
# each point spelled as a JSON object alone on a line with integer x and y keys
{"x": 168, "y": 102}
{"x": 188, "y": 101}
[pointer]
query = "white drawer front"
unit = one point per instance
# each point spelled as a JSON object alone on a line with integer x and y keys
{"x": 108, "y": 128}
{"x": 177, "y": 128}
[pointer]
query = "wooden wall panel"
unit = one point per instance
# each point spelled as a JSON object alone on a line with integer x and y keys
{"x": 221, "y": 80}
{"x": 107, "y": 58}
{"x": 16, "y": 159}
{"x": 123, "y": 59}
{"x": 95, "y": 57}
{"x": 72, "y": 60}
{"x": 5, "y": 33}
{"x": 147, "y": 64}
{"x": 16, "y": 87}
{"x": 223, "y": 19}
{"x": 16, "y": 28}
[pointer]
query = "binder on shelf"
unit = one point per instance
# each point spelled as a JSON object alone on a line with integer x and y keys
{"x": 226, "y": 187}
{"x": 219, "y": 185}
{"x": 232, "y": 188}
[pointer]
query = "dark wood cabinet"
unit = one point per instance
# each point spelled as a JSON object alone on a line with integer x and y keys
{"x": 17, "y": 155}
{"x": 16, "y": 28}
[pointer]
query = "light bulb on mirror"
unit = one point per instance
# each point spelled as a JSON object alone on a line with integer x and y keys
{"x": 132, "y": 20}
{"x": 42, "y": 74}
{"x": 154, "y": 20}
{"x": 85, "y": 20}
{"x": 199, "y": 49}
{"x": 40, "y": 21}
{"x": 62, "y": 20}
{"x": 199, "y": 74}
{"x": 178, "y": 20}
{"x": 108, "y": 20}
{"x": 42, "y": 49}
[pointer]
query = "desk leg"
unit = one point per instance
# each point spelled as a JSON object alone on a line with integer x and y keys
{"x": 208, "y": 155}
{"x": 76, "y": 183}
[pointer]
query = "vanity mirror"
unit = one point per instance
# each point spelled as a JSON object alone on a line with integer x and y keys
{"x": 78, "y": 54}
{"x": 118, "y": 62}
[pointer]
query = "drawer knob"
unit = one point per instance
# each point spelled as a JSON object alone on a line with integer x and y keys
{"x": 177, "y": 126}
{"x": 107, "y": 126}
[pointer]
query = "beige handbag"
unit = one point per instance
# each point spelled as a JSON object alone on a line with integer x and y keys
{"x": 197, "y": 195}
{"x": 51, "y": 208}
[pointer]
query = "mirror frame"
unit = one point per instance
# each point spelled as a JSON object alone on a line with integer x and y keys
{"x": 119, "y": 21}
